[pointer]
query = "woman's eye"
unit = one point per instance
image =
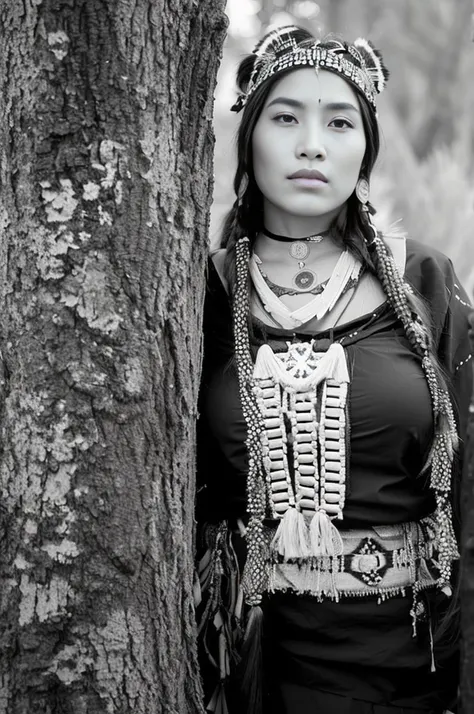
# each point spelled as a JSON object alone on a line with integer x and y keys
{"x": 341, "y": 124}
{"x": 285, "y": 118}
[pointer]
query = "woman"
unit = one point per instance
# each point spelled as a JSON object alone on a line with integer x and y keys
{"x": 335, "y": 387}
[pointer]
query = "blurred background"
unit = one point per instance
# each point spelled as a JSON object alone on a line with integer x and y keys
{"x": 425, "y": 174}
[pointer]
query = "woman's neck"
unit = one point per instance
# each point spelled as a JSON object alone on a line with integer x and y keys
{"x": 277, "y": 251}
{"x": 294, "y": 226}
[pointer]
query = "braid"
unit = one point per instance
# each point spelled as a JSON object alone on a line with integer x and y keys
{"x": 408, "y": 309}
{"x": 244, "y": 219}
{"x": 238, "y": 235}
{"x": 232, "y": 231}
{"x": 399, "y": 294}
{"x": 254, "y": 578}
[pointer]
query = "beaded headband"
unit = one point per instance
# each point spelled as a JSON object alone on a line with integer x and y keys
{"x": 279, "y": 50}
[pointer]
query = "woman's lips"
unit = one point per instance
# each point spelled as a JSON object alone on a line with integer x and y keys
{"x": 309, "y": 174}
{"x": 309, "y": 183}
{"x": 308, "y": 178}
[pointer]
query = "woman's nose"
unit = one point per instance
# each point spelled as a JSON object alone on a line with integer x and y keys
{"x": 311, "y": 145}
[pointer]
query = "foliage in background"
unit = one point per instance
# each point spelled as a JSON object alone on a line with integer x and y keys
{"x": 425, "y": 172}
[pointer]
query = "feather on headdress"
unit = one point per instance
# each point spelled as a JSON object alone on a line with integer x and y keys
{"x": 291, "y": 46}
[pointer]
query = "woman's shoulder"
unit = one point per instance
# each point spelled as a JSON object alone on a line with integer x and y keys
{"x": 424, "y": 267}
{"x": 424, "y": 253}
{"x": 217, "y": 303}
{"x": 216, "y": 283}
{"x": 429, "y": 270}
{"x": 432, "y": 273}
{"x": 216, "y": 262}
{"x": 217, "y": 322}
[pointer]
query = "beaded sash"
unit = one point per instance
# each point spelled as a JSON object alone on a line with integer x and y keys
{"x": 383, "y": 561}
{"x": 302, "y": 398}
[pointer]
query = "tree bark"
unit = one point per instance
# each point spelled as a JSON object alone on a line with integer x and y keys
{"x": 106, "y": 177}
{"x": 467, "y": 564}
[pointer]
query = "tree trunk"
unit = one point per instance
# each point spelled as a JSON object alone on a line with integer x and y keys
{"x": 106, "y": 177}
{"x": 467, "y": 565}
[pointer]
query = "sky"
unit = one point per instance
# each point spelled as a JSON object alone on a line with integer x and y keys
{"x": 244, "y": 22}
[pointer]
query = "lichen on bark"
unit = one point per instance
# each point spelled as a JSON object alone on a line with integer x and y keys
{"x": 106, "y": 178}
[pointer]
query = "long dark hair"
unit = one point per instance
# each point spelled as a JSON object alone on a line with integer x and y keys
{"x": 246, "y": 214}
{"x": 354, "y": 229}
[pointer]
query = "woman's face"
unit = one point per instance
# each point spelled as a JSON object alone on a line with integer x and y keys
{"x": 308, "y": 145}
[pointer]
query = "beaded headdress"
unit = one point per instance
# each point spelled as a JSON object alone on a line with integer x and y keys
{"x": 358, "y": 63}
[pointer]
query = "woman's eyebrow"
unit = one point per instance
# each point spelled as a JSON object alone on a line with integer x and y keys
{"x": 341, "y": 106}
{"x": 331, "y": 106}
{"x": 287, "y": 100}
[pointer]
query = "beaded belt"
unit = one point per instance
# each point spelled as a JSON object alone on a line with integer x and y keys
{"x": 381, "y": 561}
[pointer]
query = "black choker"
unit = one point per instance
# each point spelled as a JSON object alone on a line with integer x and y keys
{"x": 316, "y": 238}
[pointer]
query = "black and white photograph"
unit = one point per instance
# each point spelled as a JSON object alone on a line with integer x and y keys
{"x": 236, "y": 357}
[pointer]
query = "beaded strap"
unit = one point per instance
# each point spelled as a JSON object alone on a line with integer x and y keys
{"x": 281, "y": 494}
{"x": 317, "y": 445}
{"x": 445, "y": 439}
{"x": 254, "y": 577}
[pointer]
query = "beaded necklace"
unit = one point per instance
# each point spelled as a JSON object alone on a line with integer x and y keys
{"x": 274, "y": 395}
{"x": 299, "y": 249}
{"x": 302, "y": 395}
{"x": 347, "y": 269}
{"x": 269, "y": 395}
{"x": 281, "y": 290}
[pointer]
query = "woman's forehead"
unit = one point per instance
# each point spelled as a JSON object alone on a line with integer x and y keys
{"x": 308, "y": 86}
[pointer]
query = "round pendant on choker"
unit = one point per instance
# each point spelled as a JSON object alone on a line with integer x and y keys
{"x": 299, "y": 250}
{"x": 304, "y": 279}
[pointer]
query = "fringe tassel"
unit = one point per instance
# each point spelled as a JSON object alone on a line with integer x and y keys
{"x": 291, "y": 537}
{"x": 447, "y": 590}
{"x": 424, "y": 574}
{"x": 433, "y": 663}
{"x": 325, "y": 538}
{"x": 251, "y": 661}
{"x": 197, "y": 592}
{"x": 266, "y": 364}
{"x": 218, "y": 609}
{"x": 337, "y": 367}
{"x": 218, "y": 702}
